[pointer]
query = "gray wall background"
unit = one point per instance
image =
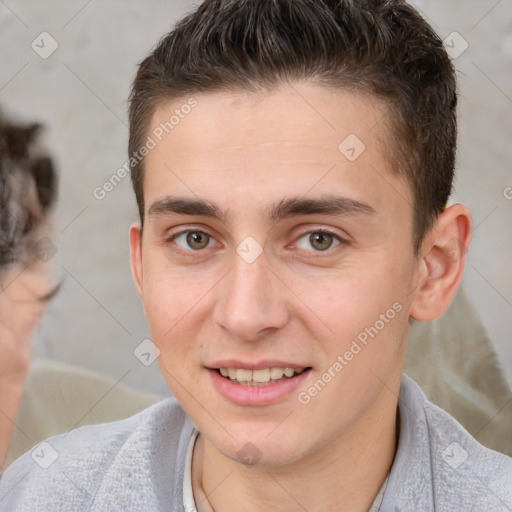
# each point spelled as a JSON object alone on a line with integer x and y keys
{"x": 80, "y": 92}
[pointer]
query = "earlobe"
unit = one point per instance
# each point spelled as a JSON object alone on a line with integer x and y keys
{"x": 442, "y": 263}
{"x": 136, "y": 256}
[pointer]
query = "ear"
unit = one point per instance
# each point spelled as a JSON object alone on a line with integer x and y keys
{"x": 442, "y": 262}
{"x": 136, "y": 256}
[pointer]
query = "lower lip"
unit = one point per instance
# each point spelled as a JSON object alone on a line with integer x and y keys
{"x": 256, "y": 395}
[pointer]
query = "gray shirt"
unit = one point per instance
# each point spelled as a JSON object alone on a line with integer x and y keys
{"x": 139, "y": 464}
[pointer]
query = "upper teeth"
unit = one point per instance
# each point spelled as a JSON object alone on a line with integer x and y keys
{"x": 263, "y": 375}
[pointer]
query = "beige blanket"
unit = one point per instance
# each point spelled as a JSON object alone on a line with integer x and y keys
{"x": 454, "y": 362}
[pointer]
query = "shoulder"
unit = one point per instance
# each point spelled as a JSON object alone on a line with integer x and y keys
{"x": 461, "y": 465}
{"x": 112, "y": 463}
{"x": 464, "y": 473}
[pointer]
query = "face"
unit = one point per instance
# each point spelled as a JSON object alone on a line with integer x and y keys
{"x": 273, "y": 241}
{"x": 24, "y": 293}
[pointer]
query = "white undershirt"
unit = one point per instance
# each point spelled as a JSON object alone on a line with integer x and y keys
{"x": 188, "y": 494}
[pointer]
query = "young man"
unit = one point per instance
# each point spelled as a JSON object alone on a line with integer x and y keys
{"x": 292, "y": 162}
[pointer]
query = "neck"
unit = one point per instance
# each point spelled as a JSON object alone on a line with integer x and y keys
{"x": 14, "y": 364}
{"x": 10, "y": 398}
{"x": 345, "y": 475}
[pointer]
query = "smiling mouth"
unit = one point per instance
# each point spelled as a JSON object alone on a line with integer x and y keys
{"x": 262, "y": 377}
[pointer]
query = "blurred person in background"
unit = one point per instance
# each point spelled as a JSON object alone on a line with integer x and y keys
{"x": 27, "y": 193}
{"x": 41, "y": 397}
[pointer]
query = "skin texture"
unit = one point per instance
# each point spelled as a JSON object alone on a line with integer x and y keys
{"x": 246, "y": 153}
{"x": 23, "y": 288}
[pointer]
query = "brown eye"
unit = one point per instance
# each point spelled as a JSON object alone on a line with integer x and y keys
{"x": 321, "y": 241}
{"x": 195, "y": 240}
{"x": 318, "y": 241}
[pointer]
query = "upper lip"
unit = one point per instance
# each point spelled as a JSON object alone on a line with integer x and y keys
{"x": 255, "y": 365}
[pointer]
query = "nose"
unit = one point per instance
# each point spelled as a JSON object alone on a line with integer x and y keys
{"x": 251, "y": 301}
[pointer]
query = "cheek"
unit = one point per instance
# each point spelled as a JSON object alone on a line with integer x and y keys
{"x": 349, "y": 301}
{"x": 167, "y": 303}
{"x": 166, "y": 292}
{"x": 172, "y": 306}
{"x": 368, "y": 315}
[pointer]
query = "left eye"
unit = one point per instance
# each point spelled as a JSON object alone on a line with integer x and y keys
{"x": 195, "y": 240}
{"x": 319, "y": 240}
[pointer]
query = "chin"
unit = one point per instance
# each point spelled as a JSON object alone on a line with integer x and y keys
{"x": 258, "y": 448}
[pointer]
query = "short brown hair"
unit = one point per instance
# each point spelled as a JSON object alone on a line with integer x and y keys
{"x": 382, "y": 47}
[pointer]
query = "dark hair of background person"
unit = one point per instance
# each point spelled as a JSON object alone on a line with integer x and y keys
{"x": 381, "y": 47}
{"x": 28, "y": 190}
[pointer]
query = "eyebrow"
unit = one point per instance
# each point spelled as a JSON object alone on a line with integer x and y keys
{"x": 286, "y": 208}
{"x": 330, "y": 205}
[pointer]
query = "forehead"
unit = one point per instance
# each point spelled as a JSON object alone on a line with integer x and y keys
{"x": 309, "y": 114}
{"x": 300, "y": 137}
